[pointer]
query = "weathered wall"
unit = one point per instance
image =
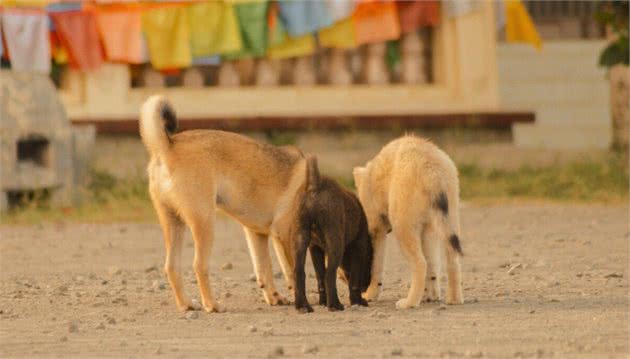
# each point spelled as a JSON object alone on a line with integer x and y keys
{"x": 564, "y": 86}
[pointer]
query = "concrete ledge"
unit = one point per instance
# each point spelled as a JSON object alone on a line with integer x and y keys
{"x": 498, "y": 120}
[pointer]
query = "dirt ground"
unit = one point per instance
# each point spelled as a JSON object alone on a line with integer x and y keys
{"x": 85, "y": 290}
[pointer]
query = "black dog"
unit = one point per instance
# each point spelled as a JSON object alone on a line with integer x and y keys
{"x": 332, "y": 224}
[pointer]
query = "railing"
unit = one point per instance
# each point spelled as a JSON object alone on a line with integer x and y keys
{"x": 374, "y": 64}
{"x": 566, "y": 19}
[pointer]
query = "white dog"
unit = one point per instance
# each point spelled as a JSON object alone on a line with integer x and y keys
{"x": 411, "y": 188}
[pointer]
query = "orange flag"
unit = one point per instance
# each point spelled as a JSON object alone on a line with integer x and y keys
{"x": 416, "y": 14}
{"x": 79, "y": 35}
{"x": 376, "y": 21}
{"x": 120, "y": 28}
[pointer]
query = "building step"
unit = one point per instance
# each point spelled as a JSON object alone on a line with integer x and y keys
{"x": 561, "y": 136}
{"x": 536, "y": 94}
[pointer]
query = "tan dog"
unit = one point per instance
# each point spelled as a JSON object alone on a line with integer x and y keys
{"x": 193, "y": 173}
{"x": 411, "y": 188}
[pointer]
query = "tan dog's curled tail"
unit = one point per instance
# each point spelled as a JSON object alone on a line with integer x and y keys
{"x": 312, "y": 174}
{"x": 157, "y": 124}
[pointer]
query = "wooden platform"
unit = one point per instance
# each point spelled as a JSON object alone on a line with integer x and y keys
{"x": 494, "y": 120}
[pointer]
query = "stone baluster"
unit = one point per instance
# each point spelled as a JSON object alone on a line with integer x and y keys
{"x": 193, "y": 77}
{"x": 338, "y": 68}
{"x": 374, "y": 67}
{"x": 412, "y": 59}
{"x": 152, "y": 78}
{"x": 228, "y": 76}
{"x": 246, "y": 69}
{"x": 268, "y": 72}
{"x": 304, "y": 71}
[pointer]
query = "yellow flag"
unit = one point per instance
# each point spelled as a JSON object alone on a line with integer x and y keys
{"x": 25, "y": 3}
{"x": 341, "y": 35}
{"x": 213, "y": 28}
{"x": 166, "y": 30}
{"x": 519, "y": 26}
{"x": 293, "y": 47}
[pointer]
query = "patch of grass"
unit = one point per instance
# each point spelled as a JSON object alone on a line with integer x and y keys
{"x": 104, "y": 199}
{"x": 107, "y": 199}
{"x": 600, "y": 181}
{"x": 583, "y": 181}
{"x": 281, "y": 138}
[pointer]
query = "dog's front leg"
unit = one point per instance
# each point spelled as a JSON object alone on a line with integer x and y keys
{"x": 376, "y": 283}
{"x": 319, "y": 263}
{"x": 301, "y": 302}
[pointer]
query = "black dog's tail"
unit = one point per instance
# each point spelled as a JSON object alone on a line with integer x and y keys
{"x": 312, "y": 174}
{"x": 445, "y": 219}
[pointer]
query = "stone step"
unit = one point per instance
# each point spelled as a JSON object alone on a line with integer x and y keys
{"x": 536, "y": 94}
{"x": 561, "y": 136}
{"x": 582, "y": 115}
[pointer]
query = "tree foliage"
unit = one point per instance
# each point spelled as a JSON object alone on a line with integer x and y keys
{"x": 614, "y": 15}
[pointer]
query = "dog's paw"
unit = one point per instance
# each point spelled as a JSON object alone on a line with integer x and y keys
{"x": 430, "y": 297}
{"x": 455, "y": 300}
{"x": 431, "y": 294}
{"x": 335, "y": 307}
{"x": 360, "y": 301}
{"x": 188, "y": 305}
{"x": 372, "y": 293}
{"x": 404, "y": 304}
{"x": 281, "y": 300}
{"x": 214, "y": 308}
{"x": 276, "y": 299}
{"x": 304, "y": 309}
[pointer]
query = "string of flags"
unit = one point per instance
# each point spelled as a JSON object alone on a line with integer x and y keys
{"x": 179, "y": 34}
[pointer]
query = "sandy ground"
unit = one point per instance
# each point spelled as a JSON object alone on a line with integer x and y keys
{"x": 86, "y": 290}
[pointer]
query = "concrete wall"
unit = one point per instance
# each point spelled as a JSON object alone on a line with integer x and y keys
{"x": 564, "y": 86}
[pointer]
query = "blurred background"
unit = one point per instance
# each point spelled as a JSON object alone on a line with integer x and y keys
{"x": 530, "y": 98}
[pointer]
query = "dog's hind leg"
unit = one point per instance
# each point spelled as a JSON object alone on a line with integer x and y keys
{"x": 301, "y": 302}
{"x": 454, "y": 294}
{"x": 259, "y": 251}
{"x": 173, "y": 229}
{"x": 410, "y": 246}
{"x": 202, "y": 227}
{"x": 431, "y": 247}
{"x": 376, "y": 283}
{"x": 333, "y": 261}
{"x": 319, "y": 263}
{"x": 284, "y": 260}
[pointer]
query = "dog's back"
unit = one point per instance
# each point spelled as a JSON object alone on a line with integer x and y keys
{"x": 200, "y": 168}
{"x": 412, "y": 189}
{"x": 332, "y": 223}
{"x": 327, "y": 204}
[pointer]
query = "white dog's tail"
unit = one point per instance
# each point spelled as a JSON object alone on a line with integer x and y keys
{"x": 157, "y": 124}
{"x": 446, "y": 220}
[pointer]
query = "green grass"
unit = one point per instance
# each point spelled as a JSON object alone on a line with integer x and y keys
{"x": 604, "y": 181}
{"x": 107, "y": 199}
